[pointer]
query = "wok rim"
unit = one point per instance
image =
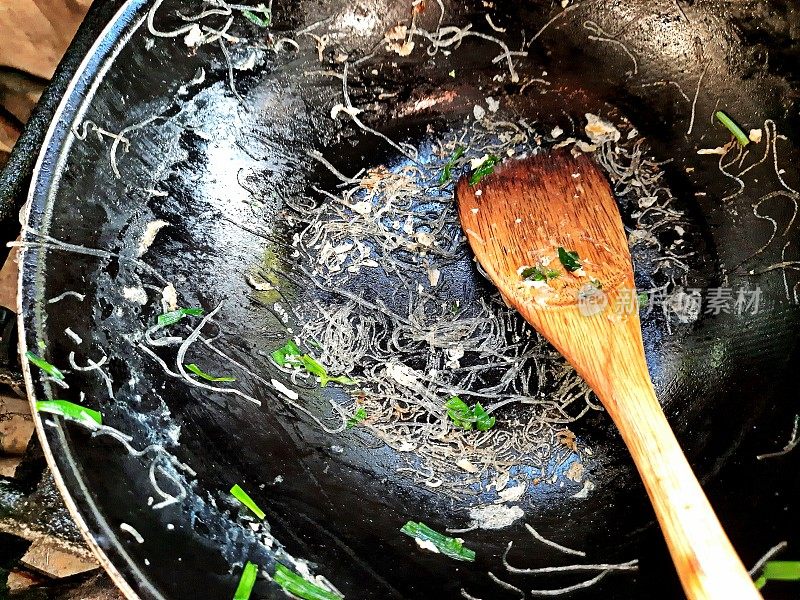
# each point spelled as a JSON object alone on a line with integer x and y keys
{"x": 112, "y": 38}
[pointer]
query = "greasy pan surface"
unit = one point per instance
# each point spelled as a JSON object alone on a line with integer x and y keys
{"x": 220, "y": 164}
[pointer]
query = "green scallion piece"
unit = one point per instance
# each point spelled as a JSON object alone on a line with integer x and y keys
{"x": 44, "y": 366}
{"x": 459, "y": 413}
{"x": 779, "y": 570}
{"x": 483, "y": 421}
{"x": 484, "y": 169}
{"x": 294, "y": 584}
{"x": 465, "y": 417}
{"x": 173, "y": 316}
{"x": 243, "y": 497}
{"x": 246, "y": 582}
{"x": 290, "y": 354}
{"x": 539, "y": 274}
{"x": 782, "y": 570}
{"x": 264, "y": 21}
{"x": 314, "y": 368}
{"x": 283, "y": 354}
{"x": 448, "y": 546}
{"x": 203, "y": 375}
{"x": 70, "y": 410}
{"x": 731, "y": 126}
{"x": 448, "y": 167}
{"x": 569, "y": 259}
{"x": 359, "y": 416}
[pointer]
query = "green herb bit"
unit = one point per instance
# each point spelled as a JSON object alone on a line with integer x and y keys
{"x": 264, "y": 21}
{"x": 70, "y": 410}
{"x": 737, "y": 132}
{"x": 459, "y": 413}
{"x": 283, "y": 355}
{"x": 359, "y": 416}
{"x": 569, "y": 259}
{"x": 445, "y": 176}
{"x": 484, "y": 169}
{"x": 779, "y": 570}
{"x": 596, "y": 283}
{"x": 173, "y": 316}
{"x": 289, "y": 354}
{"x": 294, "y": 584}
{"x": 446, "y": 545}
{"x": 203, "y": 375}
{"x": 243, "y": 497}
{"x": 539, "y": 274}
{"x": 465, "y": 417}
{"x": 246, "y": 582}
{"x": 314, "y": 368}
{"x": 483, "y": 421}
{"x": 44, "y": 366}
{"x": 642, "y": 298}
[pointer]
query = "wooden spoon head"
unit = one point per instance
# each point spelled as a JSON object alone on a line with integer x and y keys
{"x": 519, "y": 216}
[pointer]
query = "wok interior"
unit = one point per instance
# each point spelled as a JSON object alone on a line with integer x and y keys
{"x": 342, "y": 510}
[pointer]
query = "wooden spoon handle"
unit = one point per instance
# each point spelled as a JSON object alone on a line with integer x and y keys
{"x": 704, "y": 558}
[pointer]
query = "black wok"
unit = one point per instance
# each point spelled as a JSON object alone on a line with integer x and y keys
{"x": 201, "y": 152}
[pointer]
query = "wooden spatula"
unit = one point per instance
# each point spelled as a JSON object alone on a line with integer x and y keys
{"x": 515, "y": 221}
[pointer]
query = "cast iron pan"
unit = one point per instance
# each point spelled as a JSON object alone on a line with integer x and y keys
{"x": 205, "y": 151}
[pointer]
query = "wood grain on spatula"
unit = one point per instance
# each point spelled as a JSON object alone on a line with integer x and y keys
{"x": 518, "y": 217}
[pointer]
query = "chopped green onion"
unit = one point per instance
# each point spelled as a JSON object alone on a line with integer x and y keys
{"x": 446, "y": 545}
{"x": 203, "y": 375}
{"x": 483, "y": 421}
{"x": 359, "y": 416}
{"x": 173, "y": 316}
{"x": 779, "y": 570}
{"x": 737, "y": 132}
{"x": 289, "y": 354}
{"x": 484, "y": 169}
{"x": 459, "y": 413}
{"x": 70, "y": 410}
{"x": 282, "y": 355}
{"x": 246, "y": 582}
{"x": 44, "y": 366}
{"x": 294, "y": 584}
{"x": 569, "y": 259}
{"x": 42, "y": 345}
{"x": 782, "y": 570}
{"x": 465, "y": 417}
{"x": 538, "y": 274}
{"x": 314, "y": 368}
{"x": 254, "y": 18}
{"x": 243, "y": 497}
{"x": 642, "y": 298}
{"x": 452, "y": 73}
{"x": 445, "y": 176}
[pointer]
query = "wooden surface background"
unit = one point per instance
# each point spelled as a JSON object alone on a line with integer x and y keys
{"x": 33, "y": 37}
{"x": 35, "y": 562}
